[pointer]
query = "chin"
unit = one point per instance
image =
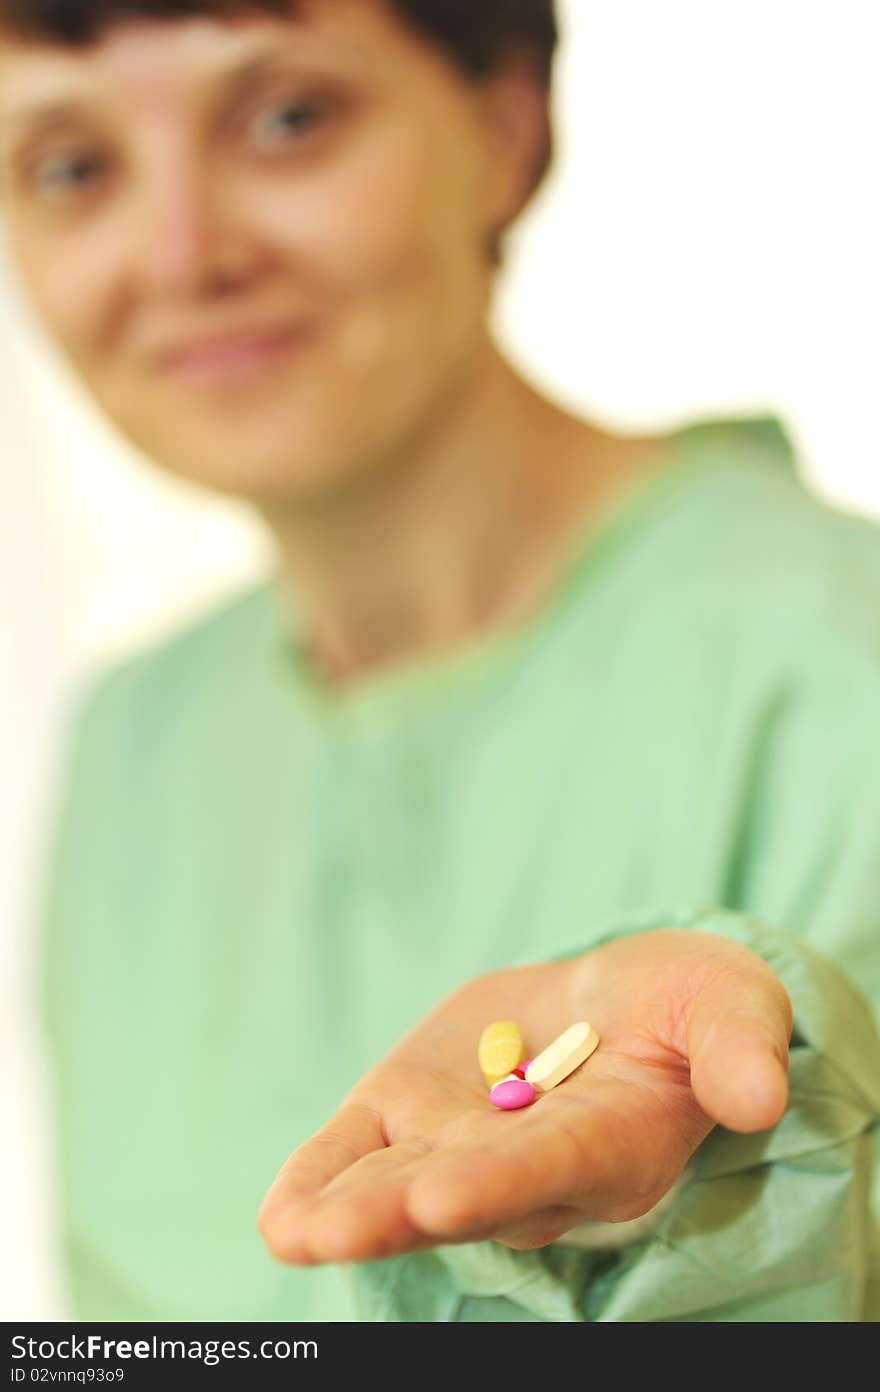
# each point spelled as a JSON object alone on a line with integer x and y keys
{"x": 276, "y": 475}
{"x": 272, "y": 452}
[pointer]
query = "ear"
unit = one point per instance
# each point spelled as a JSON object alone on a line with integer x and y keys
{"x": 516, "y": 120}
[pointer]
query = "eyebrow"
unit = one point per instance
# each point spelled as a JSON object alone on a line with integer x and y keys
{"x": 238, "y": 77}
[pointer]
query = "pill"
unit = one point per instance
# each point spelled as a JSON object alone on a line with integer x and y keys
{"x": 520, "y": 1069}
{"x": 562, "y": 1057}
{"x": 512, "y": 1092}
{"x": 500, "y": 1050}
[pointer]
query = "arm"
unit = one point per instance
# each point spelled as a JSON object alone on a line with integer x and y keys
{"x": 771, "y": 1218}
{"x": 770, "y": 1223}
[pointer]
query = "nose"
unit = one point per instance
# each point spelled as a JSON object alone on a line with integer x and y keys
{"x": 189, "y": 236}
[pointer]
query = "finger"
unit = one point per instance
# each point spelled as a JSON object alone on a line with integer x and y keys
{"x": 362, "y": 1214}
{"x": 577, "y": 1150}
{"x": 355, "y": 1131}
{"x": 539, "y": 1229}
{"x": 738, "y": 1033}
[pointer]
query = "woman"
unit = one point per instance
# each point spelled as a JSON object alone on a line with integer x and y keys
{"x": 522, "y": 698}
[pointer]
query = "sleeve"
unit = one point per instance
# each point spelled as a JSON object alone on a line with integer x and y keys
{"x": 60, "y": 923}
{"x": 79, "y": 772}
{"x": 783, "y": 1225}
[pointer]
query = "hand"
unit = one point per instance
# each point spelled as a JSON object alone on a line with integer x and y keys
{"x": 694, "y": 1031}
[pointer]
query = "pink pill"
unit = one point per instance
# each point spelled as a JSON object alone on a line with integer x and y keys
{"x": 512, "y": 1093}
{"x": 520, "y": 1069}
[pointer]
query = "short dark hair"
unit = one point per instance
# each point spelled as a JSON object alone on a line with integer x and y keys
{"x": 477, "y": 33}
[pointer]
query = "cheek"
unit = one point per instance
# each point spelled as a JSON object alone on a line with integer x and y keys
{"x": 70, "y": 306}
{"x": 393, "y": 235}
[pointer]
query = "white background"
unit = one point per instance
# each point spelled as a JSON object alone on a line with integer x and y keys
{"x": 708, "y": 244}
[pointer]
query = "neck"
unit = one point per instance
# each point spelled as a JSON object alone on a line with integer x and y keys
{"x": 455, "y": 536}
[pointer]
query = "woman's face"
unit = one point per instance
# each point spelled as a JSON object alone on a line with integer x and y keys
{"x": 319, "y": 191}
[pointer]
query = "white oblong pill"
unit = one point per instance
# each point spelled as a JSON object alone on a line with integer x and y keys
{"x": 563, "y": 1056}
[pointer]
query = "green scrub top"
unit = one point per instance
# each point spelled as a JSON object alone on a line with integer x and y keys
{"x": 256, "y": 886}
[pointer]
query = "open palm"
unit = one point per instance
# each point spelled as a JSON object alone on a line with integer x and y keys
{"x": 694, "y": 1031}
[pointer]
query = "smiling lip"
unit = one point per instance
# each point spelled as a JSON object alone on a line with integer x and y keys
{"x": 232, "y": 357}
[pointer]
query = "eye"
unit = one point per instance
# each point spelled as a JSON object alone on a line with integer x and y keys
{"x": 287, "y": 121}
{"x": 64, "y": 173}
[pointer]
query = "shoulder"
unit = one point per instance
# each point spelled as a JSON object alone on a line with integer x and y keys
{"x": 768, "y": 559}
{"x": 144, "y": 746}
{"x": 174, "y": 681}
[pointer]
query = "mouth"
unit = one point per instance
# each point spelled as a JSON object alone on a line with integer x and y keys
{"x": 234, "y": 358}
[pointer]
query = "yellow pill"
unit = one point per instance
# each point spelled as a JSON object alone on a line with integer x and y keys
{"x": 500, "y": 1050}
{"x": 563, "y": 1056}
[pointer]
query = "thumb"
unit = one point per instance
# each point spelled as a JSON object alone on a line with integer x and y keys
{"x": 738, "y": 1032}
